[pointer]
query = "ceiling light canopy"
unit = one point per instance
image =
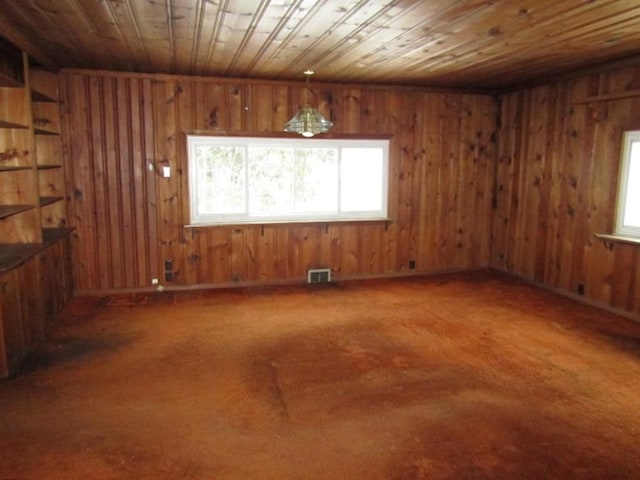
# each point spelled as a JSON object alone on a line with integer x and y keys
{"x": 308, "y": 121}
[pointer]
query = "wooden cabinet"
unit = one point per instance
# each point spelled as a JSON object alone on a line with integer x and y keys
{"x": 21, "y": 315}
{"x": 31, "y": 295}
{"x": 35, "y": 278}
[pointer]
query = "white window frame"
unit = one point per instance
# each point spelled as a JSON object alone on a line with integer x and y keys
{"x": 197, "y": 219}
{"x": 628, "y": 138}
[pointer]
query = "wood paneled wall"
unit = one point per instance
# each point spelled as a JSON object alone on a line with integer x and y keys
{"x": 129, "y": 220}
{"x": 557, "y": 176}
{"x": 31, "y": 295}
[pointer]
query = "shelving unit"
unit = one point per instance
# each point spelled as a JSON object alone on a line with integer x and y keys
{"x": 35, "y": 272}
{"x": 19, "y": 212}
{"x": 48, "y": 149}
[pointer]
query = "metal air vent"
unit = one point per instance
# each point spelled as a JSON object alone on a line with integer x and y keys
{"x": 319, "y": 275}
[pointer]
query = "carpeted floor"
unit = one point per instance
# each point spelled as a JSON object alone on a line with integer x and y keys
{"x": 454, "y": 377}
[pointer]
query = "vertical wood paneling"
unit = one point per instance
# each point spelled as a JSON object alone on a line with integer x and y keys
{"x": 110, "y": 137}
{"x": 235, "y": 107}
{"x": 146, "y": 204}
{"x": 406, "y": 207}
{"x": 430, "y": 105}
{"x": 80, "y": 160}
{"x": 264, "y": 258}
{"x": 440, "y": 212}
{"x": 557, "y": 181}
{"x": 282, "y": 253}
{"x": 124, "y": 165}
{"x": 100, "y": 176}
{"x": 114, "y": 189}
{"x": 170, "y": 225}
{"x": 391, "y": 124}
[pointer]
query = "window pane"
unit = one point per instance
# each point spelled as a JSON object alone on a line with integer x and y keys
{"x": 270, "y": 181}
{"x": 220, "y": 179}
{"x": 361, "y": 171}
{"x": 316, "y": 180}
{"x": 632, "y": 202}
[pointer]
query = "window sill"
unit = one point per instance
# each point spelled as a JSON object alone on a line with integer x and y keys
{"x": 609, "y": 240}
{"x": 290, "y": 223}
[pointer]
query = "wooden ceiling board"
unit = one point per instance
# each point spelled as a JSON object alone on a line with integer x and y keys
{"x": 27, "y": 43}
{"x": 484, "y": 44}
{"x": 153, "y": 20}
{"x": 344, "y": 46}
{"x": 243, "y": 35}
{"x": 231, "y": 28}
{"x": 407, "y": 48}
{"x": 101, "y": 31}
{"x": 134, "y": 52}
{"x": 513, "y": 51}
{"x": 73, "y": 26}
{"x": 296, "y": 32}
{"x": 411, "y": 51}
{"x": 17, "y": 26}
{"x": 534, "y": 61}
{"x": 272, "y": 36}
{"x": 212, "y": 19}
{"x": 185, "y": 28}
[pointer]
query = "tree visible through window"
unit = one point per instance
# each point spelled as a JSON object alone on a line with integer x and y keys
{"x": 262, "y": 180}
{"x": 628, "y": 210}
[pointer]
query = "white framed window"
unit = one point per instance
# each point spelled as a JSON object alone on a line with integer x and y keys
{"x": 235, "y": 180}
{"x": 628, "y": 205}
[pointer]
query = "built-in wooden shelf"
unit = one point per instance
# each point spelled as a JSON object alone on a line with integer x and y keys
{"x": 7, "y": 81}
{"x": 38, "y": 96}
{"x": 51, "y": 235}
{"x": 49, "y": 200}
{"x": 5, "y": 124}
{"x": 44, "y": 131}
{"x": 13, "y": 168}
{"x": 7, "y": 211}
{"x": 35, "y": 262}
{"x": 49, "y": 166}
{"x": 14, "y": 254}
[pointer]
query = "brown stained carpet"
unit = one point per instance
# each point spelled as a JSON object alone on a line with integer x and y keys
{"x": 456, "y": 377}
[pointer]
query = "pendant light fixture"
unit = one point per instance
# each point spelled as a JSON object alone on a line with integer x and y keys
{"x": 308, "y": 121}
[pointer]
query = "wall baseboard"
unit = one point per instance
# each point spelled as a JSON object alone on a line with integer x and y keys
{"x": 572, "y": 296}
{"x": 335, "y": 278}
{"x": 302, "y": 281}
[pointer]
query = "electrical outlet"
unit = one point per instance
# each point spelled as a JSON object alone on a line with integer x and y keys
{"x": 412, "y": 264}
{"x": 155, "y": 281}
{"x": 580, "y": 289}
{"x": 168, "y": 270}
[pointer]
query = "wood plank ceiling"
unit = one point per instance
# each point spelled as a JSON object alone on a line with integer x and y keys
{"x": 480, "y": 44}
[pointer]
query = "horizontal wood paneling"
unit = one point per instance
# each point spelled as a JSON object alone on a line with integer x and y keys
{"x": 129, "y": 220}
{"x": 556, "y": 181}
